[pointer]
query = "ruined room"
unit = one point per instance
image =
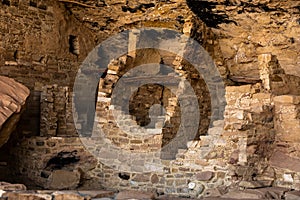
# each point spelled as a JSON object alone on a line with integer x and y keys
{"x": 149, "y": 99}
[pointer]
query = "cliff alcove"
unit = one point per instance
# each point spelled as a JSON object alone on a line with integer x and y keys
{"x": 247, "y": 139}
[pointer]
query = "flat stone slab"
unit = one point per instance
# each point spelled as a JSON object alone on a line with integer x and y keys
{"x": 126, "y": 195}
{"x": 292, "y": 195}
{"x": 97, "y": 194}
{"x": 11, "y": 187}
{"x": 282, "y": 160}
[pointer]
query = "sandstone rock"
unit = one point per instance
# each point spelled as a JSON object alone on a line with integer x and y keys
{"x": 154, "y": 179}
{"x": 96, "y": 194}
{"x": 204, "y": 176}
{"x": 67, "y": 195}
{"x": 26, "y": 196}
{"x": 171, "y": 197}
{"x": 147, "y": 56}
{"x": 255, "y": 184}
{"x": 246, "y": 28}
{"x": 141, "y": 178}
{"x": 212, "y": 192}
{"x": 287, "y": 99}
{"x": 273, "y": 192}
{"x": 13, "y": 96}
{"x": 62, "y": 179}
{"x": 243, "y": 195}
{"x": 267, "y": 174}
{"x": 282, "y": 160}
{"x": 102, "y": 199}
{"x": 135, "y": 195}
{"x": 11, "y": 187}
{"x": 292, "y": 195}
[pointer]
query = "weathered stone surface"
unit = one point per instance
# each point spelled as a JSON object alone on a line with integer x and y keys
{"x": 135, "y": 194}
{"x": 62, "y": 179}
{"x": 292, "y": 195}
{"x": 282, "y": 160}
{"x": 11, "y": 187}
{"x": 273, "y": 192}
{"x": 169, "y": 197}
{"x": 243, "y": 195}
{"x": 13, "y": 96}
{"x": 287, "y": 118}
{"x": 288, "y": 99}
{"x": 26, "y": 196}
{"x": 67, "y": 195}
{"x": 255, "y": 184}
{"x": 97, "y": 194}
{"x": 154, "y": 179}
{"x": 66, "y": 154}
{"x": 44, "y": 48}
{"x": 204, "y": 176}
{"x": 141, "y": 178}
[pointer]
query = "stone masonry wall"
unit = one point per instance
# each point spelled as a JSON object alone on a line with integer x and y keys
{"x": 257, "y": 127}
{"x": 253, "y": 145}
{"x": 35, "y": 49}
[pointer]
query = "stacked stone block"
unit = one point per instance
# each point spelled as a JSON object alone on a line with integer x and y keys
{"x": 285, "y": 158}
{"x": 56, "y": 112}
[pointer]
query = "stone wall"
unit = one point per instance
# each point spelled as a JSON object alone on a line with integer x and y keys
{"x": 56, "y": 117}
{"x": 252, "y": 144}
{"x": 257, "y": 127}
{"x": 285, "y": 158}
{"x": 52, "y": 163}
{"x": 233, "y": 152}
{"x": 35, "y": 49}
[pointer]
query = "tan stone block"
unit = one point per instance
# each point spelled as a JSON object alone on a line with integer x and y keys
{"x": 238, "y": 89}
{"x": 180, "y": 182}
{"x": 262, "y": 96}
{"x": 26, "y": 196}
{"x": 113, "y": 67}
{"x": 11, "y": 187}
{"x": 287, "y": 99}
{"x": 290, "y": 123}
{"x": 243, "y": 195}
{"x": 290, "y": 136}
{"x": 67, "y": 195}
